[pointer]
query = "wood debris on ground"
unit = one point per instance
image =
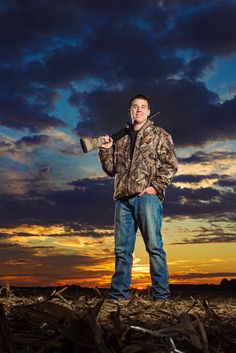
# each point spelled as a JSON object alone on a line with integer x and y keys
{"x": 55, "y": 324}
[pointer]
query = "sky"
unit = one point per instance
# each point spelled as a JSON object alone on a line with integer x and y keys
{"x": 68, "y": 70}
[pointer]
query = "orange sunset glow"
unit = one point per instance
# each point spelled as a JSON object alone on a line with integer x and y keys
{"x": 51, "y": 256}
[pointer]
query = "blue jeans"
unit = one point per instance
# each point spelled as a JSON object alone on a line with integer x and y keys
{"x": 143, "y": 212}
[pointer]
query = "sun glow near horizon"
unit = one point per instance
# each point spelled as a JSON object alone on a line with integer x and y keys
{"x": 63, "y": 258}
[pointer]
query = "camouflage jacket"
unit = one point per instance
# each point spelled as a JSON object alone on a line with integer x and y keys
{"x": 154, "y": 162}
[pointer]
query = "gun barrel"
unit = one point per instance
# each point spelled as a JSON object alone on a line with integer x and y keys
{"x": 154, "y": 114}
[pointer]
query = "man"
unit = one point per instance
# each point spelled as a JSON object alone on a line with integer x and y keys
{"x": 143, "y": 163}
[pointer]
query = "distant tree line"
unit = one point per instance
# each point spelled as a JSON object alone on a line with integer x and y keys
{"x": 228, "y": 283}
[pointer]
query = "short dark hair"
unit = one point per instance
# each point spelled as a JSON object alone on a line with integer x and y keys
{"x": 139, "y": 96}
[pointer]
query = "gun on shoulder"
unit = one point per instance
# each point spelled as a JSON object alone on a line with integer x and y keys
{"x": 89, "y": 143}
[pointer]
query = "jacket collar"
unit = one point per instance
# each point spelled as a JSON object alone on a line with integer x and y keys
{"x": 147, "y": 123}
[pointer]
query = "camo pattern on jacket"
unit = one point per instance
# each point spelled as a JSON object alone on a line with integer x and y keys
{"x": 154, "y": 162}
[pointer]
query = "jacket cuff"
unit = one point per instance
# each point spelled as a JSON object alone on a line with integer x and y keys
{"x": 159, "y": 189}
{"x": 105, "y": 151}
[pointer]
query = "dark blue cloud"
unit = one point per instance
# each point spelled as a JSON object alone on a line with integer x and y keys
{"x": 32, "y": 140}
{"x": 17, "y": 113}
{"x": 208, "y": 237}
{"x": 189, "y": 178}
{"x": 125, "y": 49}
{"x": 90, "y": 203}
{"x": 203, "y": 275}
{"x": 209, "y": 29}
{"x": 201, "y": 157}
{"x": 197, "y": 66}
{"x": 226, "y": 182}
{"x": 189, "y": 111}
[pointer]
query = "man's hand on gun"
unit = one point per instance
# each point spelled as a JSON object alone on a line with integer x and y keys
{"x": 108, "y": 142}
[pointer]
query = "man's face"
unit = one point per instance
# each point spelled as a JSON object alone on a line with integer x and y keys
{"x": 139, "y": 111}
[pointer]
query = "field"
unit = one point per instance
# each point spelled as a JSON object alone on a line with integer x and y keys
{"x": 75, "y": 320}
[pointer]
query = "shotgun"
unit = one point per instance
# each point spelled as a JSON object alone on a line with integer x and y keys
{"x": 88, "y": 143}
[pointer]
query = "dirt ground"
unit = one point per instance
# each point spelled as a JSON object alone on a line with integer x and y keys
{"x": 65, "y": 321}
